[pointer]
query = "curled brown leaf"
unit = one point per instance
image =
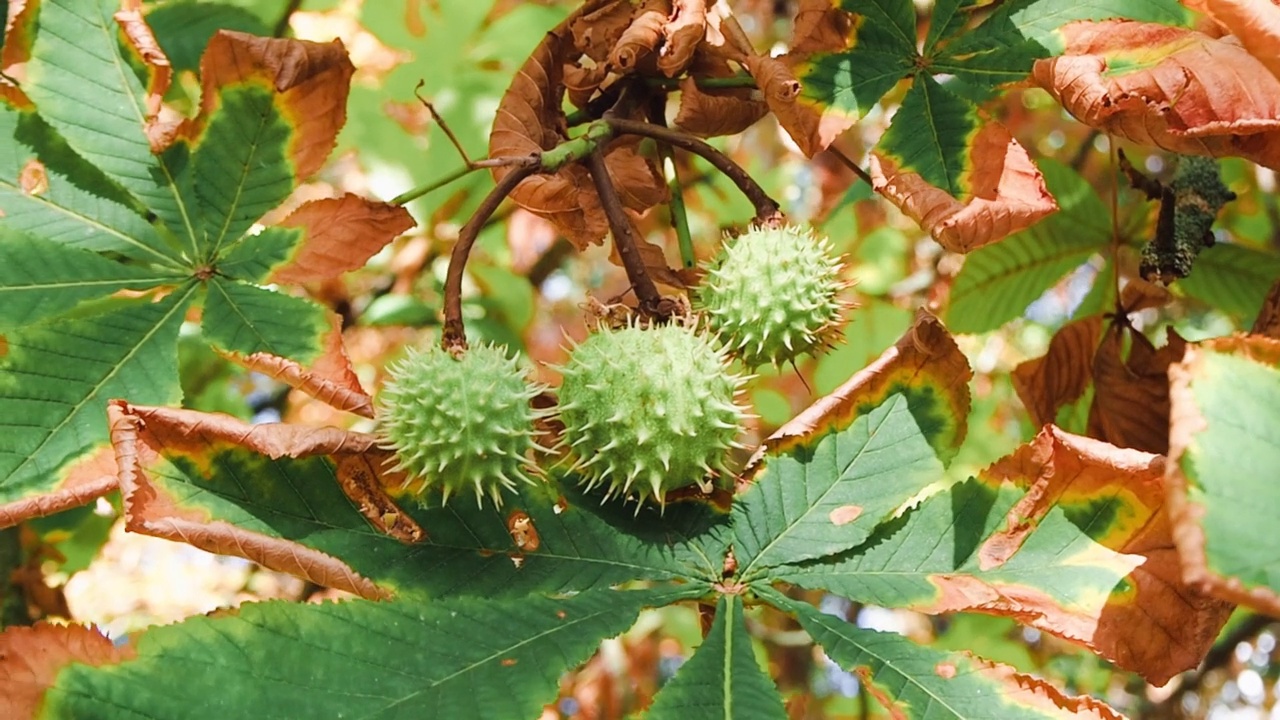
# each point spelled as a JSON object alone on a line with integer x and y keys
{"x": 339, "y": 234}
{"x": 682, "y": 35}
{"x": 1255, "y": 23}
{"x": 642, "y": 37}
{"x": 718, "y": 111}
{"x": 1062, "y": 374}
{"x": 1131, "y": 393}
{"x": 159, "y": 132}
{"x": 1192, "y": 94}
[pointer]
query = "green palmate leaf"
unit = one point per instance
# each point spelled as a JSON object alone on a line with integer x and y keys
{"x": 722, "y": 679}
{"x": 577, "y": 543}
{"x": 247, "y": 319}
{"x": 948, "y": 17}
{"x": 184, "y": 28}
{"x": 49, "y": 191}
{"x": 826, "y": 493}
{"x": 56, "y": 378}
{"x": 931, "y": 134}
{"x": 39, "y": 278}
{"x": 1003, "y": 48}
{"x": 255, "y": 257}
{"x": 998, "y": 282}
{"x": 470, "y": 658}
{"x": 1233, "y": 279}
{"x": 924, "y": 684}
{"x": 883, "y": 52}
{"x": 85, "y": 88}
{"x": 239, "y": 166}
{"x": 1225, "y": 445}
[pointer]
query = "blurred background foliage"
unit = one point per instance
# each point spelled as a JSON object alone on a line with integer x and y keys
{"x": 527, "y": 289}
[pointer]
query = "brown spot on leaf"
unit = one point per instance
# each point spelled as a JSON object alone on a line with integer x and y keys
{"x": 845, "y": 514}
{"x": 561, "y": 614}
{"x": 523, "y": 533}
{"x": 33, "y": 179}
{"x": 508, "y": 662}
{"x": 945, "y": 670}
{"x": 160, "y": 130}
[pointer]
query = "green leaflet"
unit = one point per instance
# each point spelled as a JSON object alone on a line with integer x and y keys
{"x": 925, "y": 684}
{"x": 469, "y": 550}
{"x": 183, "y": 29}
{"x": 722, "y": 679}
{"x": 468, "y": 658}
{"x": 247, "y": 319}
{"x": 57, "y": 377}
{"x": 1229, "y": 466}
{"x": 931, "y": 135}
{"x": 256, "y": 256}
{"x": 998, "y": 282}
{"x": 80, "y": 207}
{"x": 1232, "y": 278}
{"x": 239, "y": 166}
{"x": 826, "y": 494}
{"x": 76, "y": 64}
{"x": 852, "y": 82}
{"x": 40, "y": 279}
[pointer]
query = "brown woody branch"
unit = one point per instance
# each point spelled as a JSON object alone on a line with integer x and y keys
{"x": 767, "y": 210}
{"x": 623, "y": 234}
{"x": 454, "y": 336}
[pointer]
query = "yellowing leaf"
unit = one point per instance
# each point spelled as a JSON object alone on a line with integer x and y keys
{"x": 1176, "y": 89}
{"x": 1256, "y": 23}
{"x": 32, "y": 657}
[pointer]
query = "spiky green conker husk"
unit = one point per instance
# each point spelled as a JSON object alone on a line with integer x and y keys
{"x": 459, "y": 423}
{"x": 773, "y": 294}
{"x": 649, "y": 410}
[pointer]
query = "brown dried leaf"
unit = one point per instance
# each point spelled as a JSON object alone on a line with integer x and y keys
{"x": 820, "y": 26}
{"x": 32, "y": 657}
{"x": 806, "y": 122}
{"x": 142, "y": 436}
{"x": 718, "y": 111}
{"x": 312, "y": 78}
{"x": 682, "y": 35}
{"x": 1255, "y": 23}
{"x": 330, "y": 378}
{"x": 82, "y": 483}
{"x": 1062, "y": 375}
{"x": 1191, "y": 94}
{"x": 926, "y": 360}
{"x": 143, "y": 41}
{"x": 1268, "y": 322}
{"x": 1008, "y": 193}
{"x": 1131, "y": 395}
{"x": 596, "y": 31}
{"x": 641, "y": 39}
{"x": 340, "y": 234}
{"x": 1160, "y": 626}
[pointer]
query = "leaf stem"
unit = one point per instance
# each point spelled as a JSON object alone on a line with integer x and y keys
{"x": 417, "y": 192}
{"x": 455, "y": 335}
{"x": 282, "y": 25}
{"x": 708, "y": 83}
{"x": 767, "y": 210}
{"x": 457, "y": 145}
{"x": 623, "y": 237}
{"x": 863, "y": 175}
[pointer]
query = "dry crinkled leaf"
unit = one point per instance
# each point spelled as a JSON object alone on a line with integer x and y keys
{"x": 1062, "y": 374}
{"x": 714, "y": 112}
{"x": 641, "y": 38}
{"x": 1158, "y": 626}
{"x": 1255, "y": 23}
{"x": 312, "y": 78}
{"x": 143, "y": 436}
{"x": 812, "y": 128}
{"x": 84, "y": 481}
{"x": 1008, "y": 193}
{"x": 596, "y": 31}
{"x": 925, "y": 361}
{"x": 530, "y": 120}
{"x": 340, "y": 234}
{"x": 1036, "y": 693}
{"x": 1268, "y": 322}
{"x": 1131, "y": 395}
{"x": 1177, "y": 89}
{"x": 160, "y": 133}
{"x": 681, "y": 35}
{"x": 32, "y": 657}
{"x": 329, "y": 379}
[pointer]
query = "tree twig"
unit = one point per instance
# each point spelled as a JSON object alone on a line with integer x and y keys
{"x": 417, "y": 192}
{"x": 767, "y": 209}
{"x": 623, "y": 235}
{"x": 863, "y": 175}
{"x": 457, "y": 145}
{"x": 455, "y": 335}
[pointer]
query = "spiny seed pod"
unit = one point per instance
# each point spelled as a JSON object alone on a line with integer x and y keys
{"x": 647, "y": 410}
{"x": 459, "y": 423}
{"x": 773, "y": 294}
